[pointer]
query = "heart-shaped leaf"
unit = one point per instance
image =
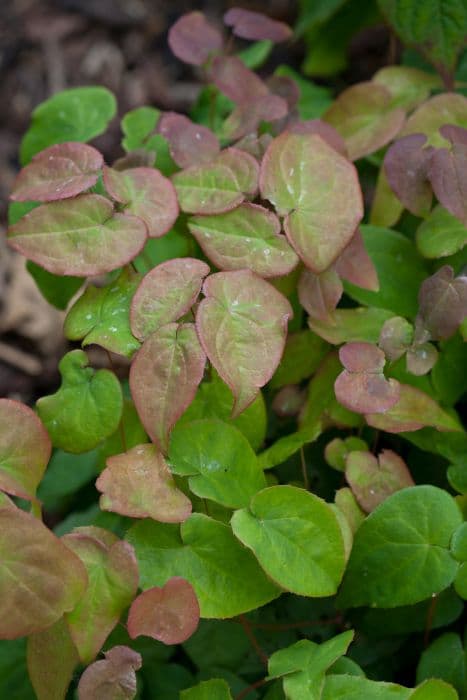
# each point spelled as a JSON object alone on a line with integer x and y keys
{"x": 361, "y": 324}
{"x": 407, "y": 166}
{"x": 256, "y": 26}
{"x": 246, "y": 237}
{"x": 190, "y": 143}
{"x": 214, "y": 689}
{"x": 51, "y": 659}
{"x": 112, "y": 678}
{"x": 317, "y": 191}
{"x": 192, "y": 38}
{"x": 138, "y": 483}
{"x": 408, "y": 86}
{"x": 58, "y": 172}
{"x": 164, "y": 377}
{"x": 169, "y": 614}
{"x": 80, "y": 237}
{"x": 448, "y": 175}
{"x": 443, "y": 303}
{"x": 320, "y": 294}
{"x": 373, "y": 480}
{"x": 242, "y": 326}
{"x": 441, "y": 234}
{"x": 421, "y": 358}
{"x": 396, "y": 337}
{"x": 446, "y": 108}
{"x": 320, "y": 128}
{"x": 355, "y": 265}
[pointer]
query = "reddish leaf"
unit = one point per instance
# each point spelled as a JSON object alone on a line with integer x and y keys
{"x": 362, "y": 387}
{"x": 448, "y": 176}
{"x": 373, "y": 480}
{"x": 407, "y": 164}
{"x": 165, "y": 294}
{"x": 58, "y": 172}
{"x": 169, "y": 614}
{"x": 319, "y": 294}
{"x": 145, "y": 193}
{"x": 318, "y": 192}
{"x": 355, "y": 265}
{"x": 256, "y": 26}
{"x": 396, "y": 337}
{"x": 421, "y": 358}
{"x": 52, "y": 659}
{"x": 246, "y": 237}
{"x": 25, "y": 449}
{"x": 112, "y": 678}
{"x": 242, "y": 325}
{"x": 443, "y": 303}
{"x": 192, "y": 38}
{"x": 320, "y": 128}
{"x": 285, "y": 87}
{"x": 164, "y": 377}
{"x": 446, "y": 108}
{"x": 80, "y": 237}
{"x": 139, "y": 484}
{"x": 40, "y": 578}
{"x": 288, "y": 401}
{"x": 254, "y": 145}
{"x": 190, "y": 144}
{"x": 218, "y": 186}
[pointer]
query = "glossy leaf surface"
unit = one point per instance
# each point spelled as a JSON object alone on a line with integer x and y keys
{"x": 190, "y": 143}
{"x": 407, "y": 166}
{"x": 113, "y": 677}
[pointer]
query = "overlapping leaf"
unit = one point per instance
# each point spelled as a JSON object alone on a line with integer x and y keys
{"x": 112, "y": 677}
{"x": 51, "y": 659}
{"x": 441, "y": 234}
{"x": 396, "y": 337}
{"x": 373, "y": 480}
{"x": 256, "y": 26}
{"x": 446, "y": 108}
{"x": 408, "y": 86}
{"x": 407, "y": 165}
{"x": 448, "y": 175}
{"x": 361, "y": 324}
{"x": 192, "y": 38}
{"x": 320, "y": 294}
{"x": 355, "y": 265}
{"x": 190, "y": 144}
{"x": 443, "y": 303}
{"x": 323, "y": 129}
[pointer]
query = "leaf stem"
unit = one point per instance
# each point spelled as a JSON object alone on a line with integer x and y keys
{"x": 306, "y": 481}
{"x": 429, "y": 620}
{"x": 253, "y": 686}
{"x": 245, "y": 623}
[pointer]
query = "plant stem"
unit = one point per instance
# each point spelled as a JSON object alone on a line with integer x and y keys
{"x": 253, "y": 686}
{"x": 245, "y": 623}
{"x": 306, "y": 481}
{"x": 429, "y": 620}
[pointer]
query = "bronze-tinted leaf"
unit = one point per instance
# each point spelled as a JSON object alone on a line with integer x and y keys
{"x": 80, "y": 237}
{"x": 164, "y": 376}
{"x": 448, "y": 176}
{"x": 192, "y": 38}
{"x": 256, "y": 26}
{"x": 443, "y": 303}
{"x": 446, "y": 108}
{"x": 318, "y": 192}
{"x": 242, "y": 325}
{"x": 145, "y": 193}
{"x": 355, "y": 265}
{"x": 52, "y": 659}
{"x": 169, "y": 614}
{"x": 58, "y": 172}
{"x": 407, "y": 165}
{"x": 408, "y": 86}
{"x": 373, "y": 480}
{"x": 139, "y": 484}
{"x": 165, "y": 294}
{"x": 396, "y": 337}
{"x": 323, "y": 129}
{"x": 286, "y": 87}
{"x": 25, "y": 449}
{"x": 40, "y": 578}
{"x": 421, "y": 358}
{"x": 112, "y": 678}
{"x": 190, "y": 143}
{"x": 320, "y": 294}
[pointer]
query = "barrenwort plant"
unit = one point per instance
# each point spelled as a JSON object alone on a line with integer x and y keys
{"x": 281, "y": 465}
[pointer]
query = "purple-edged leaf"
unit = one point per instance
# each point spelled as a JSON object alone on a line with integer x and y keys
{"x": 51, "y": 659}
{"x": 192, "y": 38}
{"x": 242, "y": 325}
{"x": 80, "y": 237}
{"x": 446, "y": 108}
{"x": 254, "y": 145}
{"x": 113, "y": 582}
{"x": 218, "y": 186}
{"x": 246, "y": 237}
{"x": 25, "y": 449}
{"x": 40, "y": 578}
{"x": 58, "y": 172}
{"x": 413, "y": 410}
{"x": 373, "y": 480}
{"x": 190, "y": 144}
{"x": 362, "y": 323}
{"x": 362, "y": 386}
{"x": 145, "y": 193}
{"x": 365, "y": 118}
{"x": 320, "y": 128}
{"x": 408, "y": 86}
{"x": 169, "y": 614}
{"x": 256, "y": 26}
{"x": 112, "y": 678}
{"x": 165, "y": 294}
{"x": 421, "y": 358}
{"x": 396, "y": 337}
{"x": 443, "y": 303}
{"x": 407, "y": 165}
{"x": 164, "y": 377}
{"x": 139, "y": 484}
{"x": 320, "y": 294}
{"x": 448, "y": 176}
{"x": 355, "y": 265}
{"x": 318, "y": 192}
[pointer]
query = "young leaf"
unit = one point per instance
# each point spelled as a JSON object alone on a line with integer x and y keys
{"x": 443, "y": 303}
{"x": 166, "y": 293}
{"x": 192, "y": 38}
{"x": 218, "y": 186}
{"x": 214, "y": 689}
{"x": 441, "y": 234}
{"x": 40, "y": 578}
{"x": 145, "y": 193}
{"x": 242, "y": 316}
{"x": 112, "y": 678}
{"x": 396, "y": 337}
{"x": 101, "y": 315}
{"x": 320, "y": 294}
{"x": 355, "y": 265}
{"x": 81, "y": 237}
{"x": 86, "y": 409}
{"x": 58, "y": 172}
{"x": 444, "y": 658}
{"x": 434, "y": 689}
{"x": 281, "y": 523}
{"x": 373, "y": 480}
{"x": 421, "y": 358}
{"x": 320, "y": 128}
{"x": 164, "y": 377}
{"x": 446, "y": 108}
{"x": 190, "y": 144}
{"x": 113, "y": 582}
{"x": 407, "y": 165}
{"x": 286, "y": 446}
{"x": 408, "y": 86}
{"x": 400, "y": 554}
{"x": 138, "y": 484}
{"x": 448, "y": 174}
{"x": 246, "y": 237}
{"x": 52, "y": 659}
{"x": 226, "y": 577}
{"x": 137, "y": 125}
{"x": 346, "y": 502}
{"x": 317, "y": 191}
{"x": 256, "y": 26}
{"x": 361, "y": 324}
{"x": 169, "y": 614}
{"x": 25, "y": 449}
{"x": 344, "y": 686}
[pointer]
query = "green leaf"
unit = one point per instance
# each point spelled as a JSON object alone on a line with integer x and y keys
{"x": 457, "y": 477}
{"x": 444, "y": 659}
{"x": 78, "y": 114}
{"x": 361, "y": 324}
{"x": 52, "y": 658}
{"x": 434, "y": 689}
{"x": 256, "y": 54}
{"x": 214, "y": 689}
{"x": 303, "y": 353}
{"x": 137, "y": 125}
{"x": 401, "y": 552}
{"x": 296, "y": 537}
{"x": 56, "y": 289}
{"x": 440, "y": 234}
{"x": 86, "y": 409}
{"x": 459, "y": 543}
{"x": 101, "y": 315}
{"x": 386, "y": 208}
{"x": 66, "y": 475}
{"x": 314, "y": 99}
{"x": 448, "y": 375}
{"x": 286, "y": 446}
{"x": 408, "y": 86}
{"x": 14, "y": 676}
{"x": 356, "y": 688}
{"x": 446, "y": 108}
{"x": 218, "y": 460}
{"x": 226, "y": 577}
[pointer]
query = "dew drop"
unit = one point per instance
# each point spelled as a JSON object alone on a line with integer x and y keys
{"x": 267, "y": 251}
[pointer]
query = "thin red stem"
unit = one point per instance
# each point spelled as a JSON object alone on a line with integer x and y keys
{"x": 247, "y": 691}
{"x": 245, "y": 623}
